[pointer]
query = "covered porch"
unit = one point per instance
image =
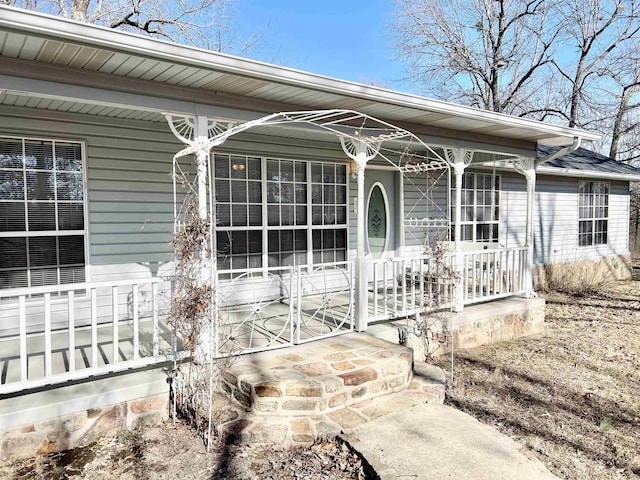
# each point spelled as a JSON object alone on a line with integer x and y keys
{"x": 392, "y": 250}
{"x": 378, "y": 236}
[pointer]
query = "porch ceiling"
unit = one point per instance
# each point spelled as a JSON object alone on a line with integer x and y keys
{"x": 50, "y": 40}
{"x": 73, "y": 106}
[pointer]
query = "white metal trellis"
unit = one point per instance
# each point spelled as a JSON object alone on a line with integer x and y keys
{"x": 254, "y": 311}
{"x": 325, "y": 301}
{"x": 362, "y": 138}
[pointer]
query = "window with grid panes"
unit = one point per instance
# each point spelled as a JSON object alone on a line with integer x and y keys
{"x": 480, "y": 207}
{"x": 593, "y": 213}
{"x": 42, "y": 225}
{"x": 238, "y": 190}
{"x": 329, "y": 207}
{"x": 296, "y": 210}
{"x": 286, "y": 212}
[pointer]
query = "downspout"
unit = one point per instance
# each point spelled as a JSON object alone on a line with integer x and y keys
{"x": 560, "y": 153}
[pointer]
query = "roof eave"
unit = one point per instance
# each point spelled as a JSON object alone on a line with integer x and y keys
{"x": 572, "y": 172}
{"x": 96, "y": 36}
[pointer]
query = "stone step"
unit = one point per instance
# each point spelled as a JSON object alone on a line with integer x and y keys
{"x": 319, "y": 377}
{"x": 298, "y": 395}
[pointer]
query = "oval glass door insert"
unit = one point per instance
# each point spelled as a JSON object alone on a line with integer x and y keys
{"x": 377, "y": 221}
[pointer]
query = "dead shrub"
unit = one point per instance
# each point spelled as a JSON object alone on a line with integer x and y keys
{"x": 582, "y": 277}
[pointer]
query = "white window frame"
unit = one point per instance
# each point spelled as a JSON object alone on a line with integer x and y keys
{"x": 592, "y": 218}
{"x": 309, "y": 226}
{"x": 55, "y": 233}
{"x": 493, "y": 223}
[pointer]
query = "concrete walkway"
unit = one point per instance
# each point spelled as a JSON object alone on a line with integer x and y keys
{"x": 435, "y": 442}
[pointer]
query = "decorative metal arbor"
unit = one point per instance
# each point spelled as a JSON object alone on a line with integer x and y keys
{"x": 331, "y": 294}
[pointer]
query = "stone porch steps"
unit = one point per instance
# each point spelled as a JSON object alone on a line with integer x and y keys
{"x": 320, "y": 389}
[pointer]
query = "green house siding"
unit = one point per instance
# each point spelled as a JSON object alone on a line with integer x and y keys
{"x": 130, "y": 190}
{"x": 556, "y": 221}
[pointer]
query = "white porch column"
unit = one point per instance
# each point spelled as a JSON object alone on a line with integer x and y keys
{"x": 194, "y": 132}
{"x": 459, "y": 159}
{"x": 362, "y": 288}
{"x": 204, "y": 351}
{"x": 360, "y": 152}
{"x": 202, "y": 163}
{"x": 526, "y": 167}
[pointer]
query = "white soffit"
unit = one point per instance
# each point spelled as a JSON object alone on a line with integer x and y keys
{"x": 43, "y": 38}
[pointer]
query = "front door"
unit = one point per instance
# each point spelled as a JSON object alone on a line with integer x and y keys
{"x": 382, "y": 240}
{"x": 380, "y": 215}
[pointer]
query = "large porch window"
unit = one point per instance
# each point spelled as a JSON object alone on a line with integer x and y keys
{"x": 42, "y": 225}
{"x": 480, "y": 212}
{"x": 275, "y": 212}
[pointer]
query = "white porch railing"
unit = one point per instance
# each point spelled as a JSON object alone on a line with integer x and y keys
{"x": 59, "y": 333}
{"x": 400, "y": 287}
{"x": 68, "y": 332}
{"x": 492, "y": 274}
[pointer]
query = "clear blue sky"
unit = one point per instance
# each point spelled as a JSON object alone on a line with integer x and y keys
{"x": 345, "y": 39}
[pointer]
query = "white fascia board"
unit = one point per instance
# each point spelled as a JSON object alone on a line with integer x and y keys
{"x": 567, "y": 172}
{"x": 102, "y": 37}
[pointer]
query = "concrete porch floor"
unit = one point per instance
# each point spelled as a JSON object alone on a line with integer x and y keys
{"x": 10, "y": 350}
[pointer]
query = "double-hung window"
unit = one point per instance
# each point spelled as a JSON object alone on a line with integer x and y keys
{"x": 480, "y": 207}
{"x": 275, "y": 212}
{"x": 42, "y": 221}
{"x": 593, "y": 213}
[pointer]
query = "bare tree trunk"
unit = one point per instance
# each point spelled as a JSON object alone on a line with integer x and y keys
{"x": 79, "y": 10}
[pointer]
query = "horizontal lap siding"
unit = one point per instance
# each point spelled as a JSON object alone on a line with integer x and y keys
{"x": 130, "y": 199}
{"x": 556, "y": 227}
{"x": 513, "y": 210}
{"x": 130, "y": 190}
{"x": 130, "y": 196}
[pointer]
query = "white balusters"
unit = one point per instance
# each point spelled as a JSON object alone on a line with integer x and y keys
{"x": 23, "y": 338}
{"x": 47, "y": 335}
{"x": 116, "y": 336}
{"x": 71, "y": 312}
{"x": 94, "y": 329}
{"x": 136, "y": 321}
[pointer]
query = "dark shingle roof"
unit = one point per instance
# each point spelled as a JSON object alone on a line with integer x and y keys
{"x": 586, "y": 160}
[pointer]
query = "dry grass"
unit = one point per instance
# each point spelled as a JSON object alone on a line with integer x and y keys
{"x": 176, "y": 452}
{"x": 571, "y": 396}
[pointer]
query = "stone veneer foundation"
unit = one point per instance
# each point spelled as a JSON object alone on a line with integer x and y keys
{"x": 498, "y": 321}
{"x": 68, "y": 431}
{"x": 477, "y": 325}
{"x": 299, "y": 394}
